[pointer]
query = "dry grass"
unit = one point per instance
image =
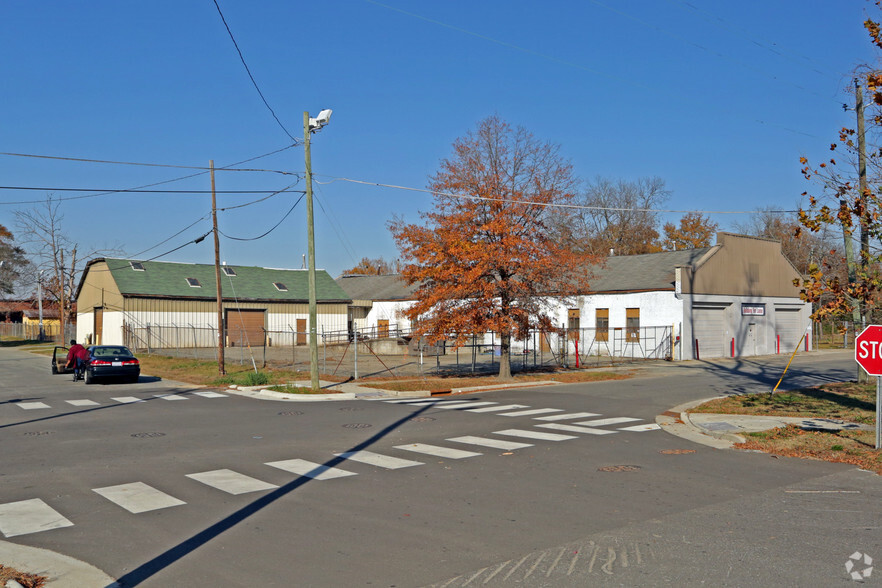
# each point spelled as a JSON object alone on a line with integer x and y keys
{"x": 26, "y": 580}
{"x": 847, "y": 401}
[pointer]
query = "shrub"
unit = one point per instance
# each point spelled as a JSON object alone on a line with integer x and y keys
{"x": 256, "y": 379}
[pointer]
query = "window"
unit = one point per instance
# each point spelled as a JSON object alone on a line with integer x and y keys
{"x": 632, "y": 325}
{"x": 280, "y": 286}
{"x": 194, "y": 283}
{"x": 573, "y": 323}
{"x": 137, "y": 266}
{"x": 228, "y": 270}
{"x": 601, "y": 324}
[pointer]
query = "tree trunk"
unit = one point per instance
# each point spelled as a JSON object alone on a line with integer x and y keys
{"x": 505, "y": 357}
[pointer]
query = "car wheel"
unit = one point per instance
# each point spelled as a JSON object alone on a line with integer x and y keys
{"x": 88, "y": 377}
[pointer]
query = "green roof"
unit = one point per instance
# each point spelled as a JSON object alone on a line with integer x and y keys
{"x": 169, "y": 280}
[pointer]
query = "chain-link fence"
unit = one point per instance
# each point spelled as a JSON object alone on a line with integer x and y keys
{"x": 31, "y": 332}
{"x": 834, "y": 334}
{"x": 391, "y": 352}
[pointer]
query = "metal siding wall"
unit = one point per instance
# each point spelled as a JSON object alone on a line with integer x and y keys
{"x": 788, "y": 327}
{"x": 708, "y": 324}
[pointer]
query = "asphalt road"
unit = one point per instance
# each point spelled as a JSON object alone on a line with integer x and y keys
{"x": 614, "y": 506}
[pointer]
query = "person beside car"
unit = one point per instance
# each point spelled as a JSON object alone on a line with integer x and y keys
{"x": 77, "y": 355}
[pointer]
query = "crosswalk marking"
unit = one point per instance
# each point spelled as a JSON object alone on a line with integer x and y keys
{"x": 641, "y": 428}
{"x": 128, "y": 399}
{"x": 496, "y": 408}
{"x": 308, "y": 469}
{"x": 209, "y": 394}
{"x": 32, "y": 405}
{"x": 406, "y": 400}
{"x": 461, "y": 404}
{"x": 534, "y": 435}
{"x": 82, "y": 402}
{"x": 575, "y": 429}
{"x": 531, "y": 412}
{"x": 567, "y": 416}
{"x": 29, "y": 516}
{"x": 495, "y": 443}
{"x": 231, "y": 482}
{"x": 437, "y": 451}
{"x": 171, "y": 396}
{"x": 383, "y": 461}
{"x": 425, "y": 402}
{"x": 138, "y": 497}
{"x": 612, "y": 421}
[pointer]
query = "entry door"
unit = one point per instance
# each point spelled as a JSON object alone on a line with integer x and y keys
{"x": 98, "y": 327}
{"x": 750, "y": 343}
{"x": 301, "y": 331}
{"x": 382, "y": 328}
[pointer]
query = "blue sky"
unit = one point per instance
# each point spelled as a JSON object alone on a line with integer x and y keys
{"x": 718, "y": 98}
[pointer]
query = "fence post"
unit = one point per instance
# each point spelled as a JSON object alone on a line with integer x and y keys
{"x": 474, "y": 351}
{"x": 355, "y": 361}
{"x": 265, "y": 343}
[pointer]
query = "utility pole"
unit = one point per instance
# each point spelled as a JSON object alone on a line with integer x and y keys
{"x": 862, "y": 173}
{"x": 310, "y": 237}
{"x": 221, "y": 368}
{"x": 39, "y": 300}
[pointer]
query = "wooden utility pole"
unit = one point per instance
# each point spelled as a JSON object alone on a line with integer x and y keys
{"x": 862, "y": 173}
{"x": 221, "y": 368}
{"x": 310, "y": 237}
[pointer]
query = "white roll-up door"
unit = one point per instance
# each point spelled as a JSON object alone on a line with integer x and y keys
{"x": 708, "y": 328}
{"x": 788, "y": 328}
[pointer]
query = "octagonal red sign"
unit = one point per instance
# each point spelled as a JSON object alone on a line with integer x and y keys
{"x": 868, "y": 350}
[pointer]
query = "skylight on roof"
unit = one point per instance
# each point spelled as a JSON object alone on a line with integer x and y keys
{"x": 280, "y": 286}
{"x": 137, "y": 266}
{"x": 194, "y": 283}
{"x": 228, "y": 270}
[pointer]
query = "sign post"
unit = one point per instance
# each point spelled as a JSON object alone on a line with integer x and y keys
{"x": 868, "y": 355}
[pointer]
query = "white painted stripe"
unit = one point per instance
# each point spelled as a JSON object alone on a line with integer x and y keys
{"x": 438, "y": 451}
{"x": 32, "y": 405}
{"x": 575, "y": 429}
{"x": 462, "y": 404}
{"x": 210, "y": 394}
{"x": 82, "y": 402}
{"x": 567, "y": 416}
{"x": 472, "y": 404}
{"x": 231, "y": 482}
{"x": 127, "y": 399}
{"x": 406, "y": 400}
{"x": 534, "y": 435}
{"x": 495, "y": 443}
{"x": 375, "y": 459}
{"x": 29, "y": 516}
{"x": 502, "y": 407}
{"x": 171, "y": 396}
{"x": 531, "y": 412}
{"x": 641, "y": 428}
{"x": 612, "y": 421}
{"x": 138, "y": 497}
{"x": 308, "y": 469}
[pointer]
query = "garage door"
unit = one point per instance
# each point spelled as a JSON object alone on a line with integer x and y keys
{"x": 708, "y": 326}
{"x": 245, "y": 327}
{"x": 788, "y": 328}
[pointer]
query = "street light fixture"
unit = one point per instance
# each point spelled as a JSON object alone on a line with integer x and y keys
{"x": 312, "y": 125}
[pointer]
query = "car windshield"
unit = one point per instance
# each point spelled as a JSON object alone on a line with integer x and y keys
{"x": 111, "y": 352}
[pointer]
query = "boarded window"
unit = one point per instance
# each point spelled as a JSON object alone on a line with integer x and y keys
{"x": 382, "y": 328}
{"x": 632, "y": 325}
{"x": 601, "y": 324}
{"x": 573, "y": 323}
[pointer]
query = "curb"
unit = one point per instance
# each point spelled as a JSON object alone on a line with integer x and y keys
{"x": 61, "y": 570}
{"x": 681, "y": 426}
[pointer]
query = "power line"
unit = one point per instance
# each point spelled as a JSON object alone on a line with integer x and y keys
{"x": 133, "y": 191}
{"x": 274, "y": 227}
{"x": 247, "y": 69}
{"x": 544, "y": 204}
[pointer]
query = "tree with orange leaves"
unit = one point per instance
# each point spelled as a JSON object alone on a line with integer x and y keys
{"x": 695, "y": 230}
{"x": 485, "y": 259}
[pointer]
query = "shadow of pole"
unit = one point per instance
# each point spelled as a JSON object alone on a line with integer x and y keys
{"x": 181, "y": 550}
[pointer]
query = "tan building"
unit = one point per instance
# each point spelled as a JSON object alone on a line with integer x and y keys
{"x": 160, "y": 304}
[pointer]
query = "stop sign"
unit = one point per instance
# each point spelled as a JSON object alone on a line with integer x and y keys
{"x": 868, "y": 350}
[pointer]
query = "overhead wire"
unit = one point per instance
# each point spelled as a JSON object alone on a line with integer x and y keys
{"x": 335, "y": 225}
{"x": 274, "y": 227}
{"x": 543, "y": 204}
{"x": 248, "y": 70}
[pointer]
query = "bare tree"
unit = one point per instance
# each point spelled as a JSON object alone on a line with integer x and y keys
{"x": 621, "y": 216}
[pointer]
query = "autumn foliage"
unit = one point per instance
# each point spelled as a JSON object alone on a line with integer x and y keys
{"x": 485, "y": 259}
{"x": 695, "y": 230}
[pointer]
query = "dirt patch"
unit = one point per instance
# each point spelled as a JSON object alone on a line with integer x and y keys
{"x": 854, "y": 447}
{"x": 445, "y": 384}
